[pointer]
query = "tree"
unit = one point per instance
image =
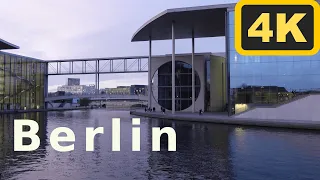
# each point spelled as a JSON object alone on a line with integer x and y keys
{"x": 85, "y": 102}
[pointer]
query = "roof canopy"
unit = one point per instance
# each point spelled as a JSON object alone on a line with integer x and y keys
{"x": 6, "y": 45}
{"x": 205, "y": 21}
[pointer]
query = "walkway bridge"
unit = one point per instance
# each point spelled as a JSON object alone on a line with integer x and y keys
{"x": 98, "y": 97}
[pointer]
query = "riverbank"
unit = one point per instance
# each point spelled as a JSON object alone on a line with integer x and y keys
{"x": 223, "y": 118}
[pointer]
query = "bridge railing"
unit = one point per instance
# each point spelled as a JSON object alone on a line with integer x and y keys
{"x": 96, "y": 96}
{"x": 99, "y": 65}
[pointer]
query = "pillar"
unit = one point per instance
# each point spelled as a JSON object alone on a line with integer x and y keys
{"x": 193, "y": 74}
{"x": 149, "y": 74}
{"x": 173, "y": 72}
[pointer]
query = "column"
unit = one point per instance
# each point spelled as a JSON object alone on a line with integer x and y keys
{"x": 149, "y": 73}
{"x": 46, "y": 84}
{"x": 193, "y": 79}
{"x": 98, "y": 76}
{"x": 173, "y": 72}
{"x": 96, "y": 79}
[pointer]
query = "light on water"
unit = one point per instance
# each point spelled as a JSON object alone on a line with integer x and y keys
{"x": 204, "y": 151}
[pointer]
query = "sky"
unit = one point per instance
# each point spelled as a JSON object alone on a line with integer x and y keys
{"x": 68, "y": 29}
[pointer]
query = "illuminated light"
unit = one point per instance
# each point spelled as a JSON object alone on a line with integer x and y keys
{"x": 241, "y": 107}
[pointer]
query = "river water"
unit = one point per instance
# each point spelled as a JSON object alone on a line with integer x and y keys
{"x": 204, "y": 151}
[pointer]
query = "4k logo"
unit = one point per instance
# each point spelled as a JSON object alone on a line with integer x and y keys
{"x": 277, "y": 27}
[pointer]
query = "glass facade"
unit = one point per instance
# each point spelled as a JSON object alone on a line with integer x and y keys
{"x": 268, "y": 80}
{"x": 22, "y": 82}
{"x": 162, "y": 85}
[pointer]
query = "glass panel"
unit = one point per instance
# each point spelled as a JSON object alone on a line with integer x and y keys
{"x": 270, "y": 80}
{"x": 231, "y": 30}
{"x": 231, "y": 17}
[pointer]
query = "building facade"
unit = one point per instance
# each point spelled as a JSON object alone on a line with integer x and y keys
{"x": 73, "y": 82}
{"x": 209, "y": 86}
{"x": 139, "y": 90}
{"x": 268, "y": 80}
{"x": 119, "y": 90}
{"x": 77, "y": 89}
{"x": 22, "y": 82}
{"x": 232, "y": 82}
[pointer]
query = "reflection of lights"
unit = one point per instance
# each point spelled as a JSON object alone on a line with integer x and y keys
{"x": 240, "y": 137}
{"x": 239, "y": 131}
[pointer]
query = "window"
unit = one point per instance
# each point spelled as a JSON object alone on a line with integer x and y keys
{"x": 162, "y": 85}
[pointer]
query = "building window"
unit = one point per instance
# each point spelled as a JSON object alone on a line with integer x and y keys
{"x": 162, "y": 85}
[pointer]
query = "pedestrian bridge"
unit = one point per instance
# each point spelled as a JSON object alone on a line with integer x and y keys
{"x": 98, "y": 97}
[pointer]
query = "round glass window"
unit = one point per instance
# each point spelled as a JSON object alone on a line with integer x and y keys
{"x": 162, "y": 85}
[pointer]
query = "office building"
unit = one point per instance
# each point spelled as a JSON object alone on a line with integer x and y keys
{"x": 22, "y": 81}
{"x": 222, "y": 81}
{"x": 119, "y": 90}
{"x": 77, "y": 89}
{"x": 138, "y": 90}
{"x": 73, "y": 82}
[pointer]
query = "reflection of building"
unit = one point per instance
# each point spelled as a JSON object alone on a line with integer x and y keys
{"x": 79, "y": 89}
{"x": 211, "y": 143}
{"x": 22, "y": 81}
{"x": 73, "y": 82}
{"x": 294, "y": 74}
{"x": 138, "y": 90}
{"x": 120, "y": 90}
{"x": 7, "y": 143}
{"x": 261, "y": 94}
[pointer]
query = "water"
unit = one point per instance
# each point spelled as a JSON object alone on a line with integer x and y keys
{"x": 204, "y": 151}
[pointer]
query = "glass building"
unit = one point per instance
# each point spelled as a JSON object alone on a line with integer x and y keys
{"x": 268, "y": 80}
{"x": 22, "y": 82}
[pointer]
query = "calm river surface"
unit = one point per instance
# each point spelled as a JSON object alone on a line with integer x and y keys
{"x": 204, "y": 151}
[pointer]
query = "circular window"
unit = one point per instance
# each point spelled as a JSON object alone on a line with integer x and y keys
{"x": 162, "y": 85}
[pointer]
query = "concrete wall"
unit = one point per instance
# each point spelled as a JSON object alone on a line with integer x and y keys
{"x": 302, "y": 109}
{"x": 218, "y": 93}
{"x": 199, "y": 64}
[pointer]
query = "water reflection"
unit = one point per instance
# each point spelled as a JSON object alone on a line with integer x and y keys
{"x": 21, "y": 161}
{"x": 204, "y": 151}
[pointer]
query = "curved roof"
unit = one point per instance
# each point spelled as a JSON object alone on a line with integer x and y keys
{"x": 206, "y": 21}
{"x": 6, "y": 45}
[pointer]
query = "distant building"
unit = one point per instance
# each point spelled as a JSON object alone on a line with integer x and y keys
{"x": 120, "y": 90}
{"x": 73, "y": 82}
{"x": 77, "y": 89}
{"x": 138, "y": 90}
